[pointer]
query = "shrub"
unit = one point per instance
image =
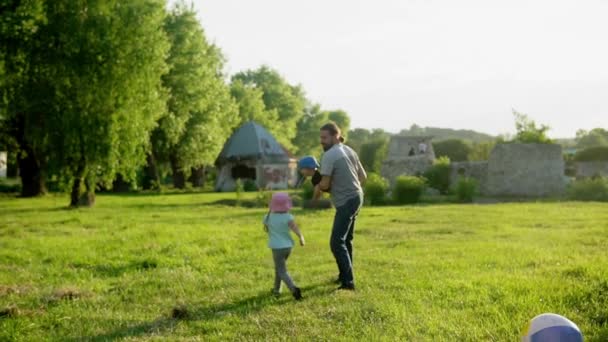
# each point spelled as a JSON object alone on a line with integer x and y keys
{"x": 599, "y": 153}
{"x": 408, "y": 189}
{"x": 239, "y": 191}
{"x": 466, "y": 189}
{"x": 307, "y": 191}
{"x": 250, "y": 185}
{"x": 375, "y": 189}
{"x": 9, "y": 185}
{"x": 262, "y": 198}
{"x": 455, "y": 149}
{"x": 591, "y": 189}
{"x": 438, "y": 176}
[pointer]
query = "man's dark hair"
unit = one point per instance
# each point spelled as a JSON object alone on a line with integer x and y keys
{"x": 333, "y": 130}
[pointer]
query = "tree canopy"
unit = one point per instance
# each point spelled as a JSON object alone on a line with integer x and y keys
{"x": 278, "y": 95}
{"x": 200, "y": 111}
{"x": 528, "y": 132}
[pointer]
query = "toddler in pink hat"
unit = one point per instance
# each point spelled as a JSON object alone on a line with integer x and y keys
{"x": 278, "y": 223}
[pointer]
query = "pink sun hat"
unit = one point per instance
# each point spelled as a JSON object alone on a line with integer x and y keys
{"x": 280, "y": 202}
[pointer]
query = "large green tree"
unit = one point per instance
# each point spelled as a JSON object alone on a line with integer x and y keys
{"x": 200, "y": 111}
{"x": 101, "y": 62}
{"x": 307, "y": 138}
{"x": 342, "y": 119}
{"x": 288, "y": 100}
{"x": 22, "y": 120}
{"x": 251, "y": 107}
{"x": 359, "y": 136}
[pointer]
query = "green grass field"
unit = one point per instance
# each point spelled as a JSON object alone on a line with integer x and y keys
{"x": 122, "y": 270}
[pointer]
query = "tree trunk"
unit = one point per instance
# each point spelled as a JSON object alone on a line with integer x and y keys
{"x": 77, "y": 197}
{"x": 179, "y": 179}
{"x": 120, "y": 185}
{"x": 198, "y": 177}
{"x": 32, "y": 175}
{"x": 151, "y": 175}
{"x": 88, "y": 198}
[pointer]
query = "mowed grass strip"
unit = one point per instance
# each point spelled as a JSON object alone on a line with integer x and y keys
{"x": 182, "y": 267}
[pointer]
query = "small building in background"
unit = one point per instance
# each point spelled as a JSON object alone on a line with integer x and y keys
{"x": 253, "y": 154}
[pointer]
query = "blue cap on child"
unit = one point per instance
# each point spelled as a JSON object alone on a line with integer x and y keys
{"x": 308, "y": 162}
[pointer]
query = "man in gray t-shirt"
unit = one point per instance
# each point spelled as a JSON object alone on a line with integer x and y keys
{"x": 343, "y": 173}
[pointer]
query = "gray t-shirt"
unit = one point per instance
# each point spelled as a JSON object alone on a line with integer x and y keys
{"x": 343, "y": 165}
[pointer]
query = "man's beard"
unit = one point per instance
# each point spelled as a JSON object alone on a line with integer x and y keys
{"x": 327, "y": 147}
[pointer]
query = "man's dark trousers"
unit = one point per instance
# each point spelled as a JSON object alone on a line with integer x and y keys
{"x": 342, "y": 236}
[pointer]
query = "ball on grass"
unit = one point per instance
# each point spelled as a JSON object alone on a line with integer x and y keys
{"x": 550, "y": 327}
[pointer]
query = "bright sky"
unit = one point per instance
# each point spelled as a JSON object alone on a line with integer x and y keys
{"x": 459, "y": 64}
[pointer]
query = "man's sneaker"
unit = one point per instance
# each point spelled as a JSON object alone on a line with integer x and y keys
{"x": 297, "y": 293}
{"x": 349, "y": 287}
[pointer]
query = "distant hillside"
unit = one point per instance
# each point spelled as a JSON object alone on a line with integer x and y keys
{"x": 439, "y": 134}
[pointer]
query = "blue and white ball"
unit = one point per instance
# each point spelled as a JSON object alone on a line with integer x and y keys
{"x": 551, "y": 327}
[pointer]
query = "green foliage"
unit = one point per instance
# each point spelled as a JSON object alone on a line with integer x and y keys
{"x": 9, "y": 185}
{"x": 481, "y": 151}
{"x": 359, "y": 136}
{"x": 376, "y": 188}
{"x": 287, "y": 100}
{"x": 307, "y": 138}
{"x": 201, "y": 113}
{"x": 240, "y": 188}
{"x": 97, "y": 82}
{"x": 438, "y": 175}
{"x": 466, "y": 189}
{"x": 595, "y": 137}
{"x": 591, "y": 189}
{"x": 372, "y": 154}
{"x": 455, "y": 149}
{"x": 262, "y": 198}
{"x": 250, "y": 185}
{"x": 23, "y": 117}
{"x": 251, "y": 107}
{"x": 598, "y": 153}
{"x": 307, "y": 191}
{"x": 527, "y": 132}
{"x": 341, "y": 119}
{"x": 408, "y": 189}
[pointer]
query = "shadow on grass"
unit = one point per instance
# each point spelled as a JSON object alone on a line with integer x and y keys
{"x": 152, "y": 193}
{"x": 226, "y": 202}
{"x": 241, "y": 308}
{"x": 35, "y": 210}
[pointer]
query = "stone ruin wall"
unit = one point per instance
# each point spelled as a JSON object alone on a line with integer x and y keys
{"x": 533, "y": 170}
{"x": 399, "y": 162}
